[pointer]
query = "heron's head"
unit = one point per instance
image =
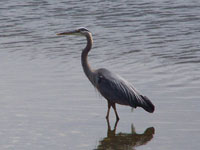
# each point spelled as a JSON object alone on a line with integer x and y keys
{"x": 80, "y": 31}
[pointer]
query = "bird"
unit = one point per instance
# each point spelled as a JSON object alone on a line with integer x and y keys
{"x": 114, "y": 88}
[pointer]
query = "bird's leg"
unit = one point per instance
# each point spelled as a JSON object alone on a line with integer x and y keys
{"x": 107, "y": 116}
{"x": 115, "y": 127}
{"x": 108, "y": 124}
{"x": 114, "y": 107}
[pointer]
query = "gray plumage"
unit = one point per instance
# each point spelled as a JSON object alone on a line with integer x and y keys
{"x": 117, "y": 90}
{"x": 111, "y": 86}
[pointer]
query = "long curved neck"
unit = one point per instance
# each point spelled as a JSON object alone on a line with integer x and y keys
{"x": 84, "y": 58}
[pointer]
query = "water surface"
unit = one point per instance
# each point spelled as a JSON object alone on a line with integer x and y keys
{"x": 47, "y": 102}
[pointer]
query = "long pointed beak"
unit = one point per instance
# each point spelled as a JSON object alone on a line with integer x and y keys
{"x": 68, "y": 33}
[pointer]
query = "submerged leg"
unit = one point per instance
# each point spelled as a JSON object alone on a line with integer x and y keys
{"x": 111, "y": 133}
{"x": 114, "y": 107}
{"x": 108, "y": 112}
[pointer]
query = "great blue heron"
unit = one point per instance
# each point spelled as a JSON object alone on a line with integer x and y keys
{"x": 111, "y": 86}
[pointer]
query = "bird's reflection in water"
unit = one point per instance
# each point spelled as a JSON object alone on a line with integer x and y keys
{"x": 124, "y": 141}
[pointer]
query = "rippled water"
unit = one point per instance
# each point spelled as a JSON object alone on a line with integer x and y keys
{"x": 47, "y": 102}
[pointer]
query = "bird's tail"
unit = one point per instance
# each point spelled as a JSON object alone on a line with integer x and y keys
{"x": 147, "y": 105}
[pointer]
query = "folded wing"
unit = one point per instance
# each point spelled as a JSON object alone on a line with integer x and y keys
{"x": 117, "y": 90}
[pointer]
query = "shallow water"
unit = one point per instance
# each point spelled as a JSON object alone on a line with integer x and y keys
{"x": 46, "y": 100}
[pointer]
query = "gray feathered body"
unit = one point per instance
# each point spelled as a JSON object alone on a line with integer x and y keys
{"x": 117, "y": 90}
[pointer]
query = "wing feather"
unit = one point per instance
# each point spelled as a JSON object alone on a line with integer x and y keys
{"x": 117, "y": 90}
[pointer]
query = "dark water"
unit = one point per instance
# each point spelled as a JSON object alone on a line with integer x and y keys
{"x": 46, "y": 101}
